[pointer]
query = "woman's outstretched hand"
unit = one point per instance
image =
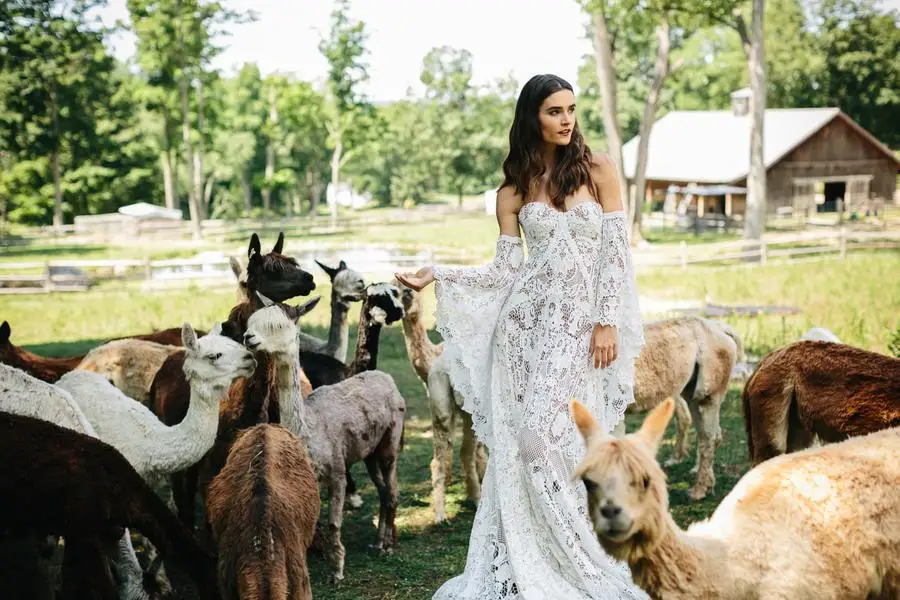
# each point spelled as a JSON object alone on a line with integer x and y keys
{"x": 420, "y": 280}
{"x": 604, "y": 345}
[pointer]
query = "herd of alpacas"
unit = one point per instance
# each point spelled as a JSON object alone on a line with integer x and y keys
{"x": 263, "y": 421}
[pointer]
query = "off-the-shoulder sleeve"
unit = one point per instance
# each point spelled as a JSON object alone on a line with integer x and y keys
{"x": 616, "y": 304}
{"x": 469, "y": 301}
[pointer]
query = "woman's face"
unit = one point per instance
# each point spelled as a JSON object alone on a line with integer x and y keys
{"x": 557, "y": 117}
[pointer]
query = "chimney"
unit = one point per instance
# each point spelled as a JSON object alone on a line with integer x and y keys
{"x": 740, "y": 102}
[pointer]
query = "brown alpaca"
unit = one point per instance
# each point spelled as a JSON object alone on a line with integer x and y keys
{"x": 263, "y": 506}
{"x": 85, "y": 490}
{"x": 129, "y": 364}
{"x": 814, "y": 389}
{"x": 821, "y": 524}
{"x": 446, "y": 408}
{"x": 689, "y": 359}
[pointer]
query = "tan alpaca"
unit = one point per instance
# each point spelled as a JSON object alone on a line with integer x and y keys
{"x": 129, "y": 364}
{"x": 689, "y": 359}
{"x": 821, "y": 524}
{"x": 445, "y": 408}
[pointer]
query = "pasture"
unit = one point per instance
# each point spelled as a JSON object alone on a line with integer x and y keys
{"x": 857, "y": 298}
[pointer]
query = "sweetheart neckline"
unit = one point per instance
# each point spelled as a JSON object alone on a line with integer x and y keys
{"x": 563, "y": 212}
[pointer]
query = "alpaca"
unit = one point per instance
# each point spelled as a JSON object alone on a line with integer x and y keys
{"x": 347, "y": 286}
{"x": 360, "y": 418}
{"x": 446, "y": 407}
{"x": 241, "y": 274}
{"x": 24, "y": 395}
{"x": 822, "y": 524}
{"x": 689, "y": 359}
{"x": 240, "y": 408}
{"x": 381, "y": 306}
{"x": 824, "y": 390}
{"x": 263, "y": 506}
{"x": 154, "y": 449}
{"x": 128, "y": 364}
{"x": 277, "y": 276}
{"x": 85, "y": 490}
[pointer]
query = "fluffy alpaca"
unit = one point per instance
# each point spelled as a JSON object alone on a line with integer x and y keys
{"x": 242, "y": 407}
{"x": 129, "y": 364}
{"x": 154, "y": 449}
{"x": 263, "y": 506}
{"x": 347, "y": 286}
{"x": 822, "y": 524}
{"x": 85, "y": 490}
{"x": 824, "y": 390}
{"x": 446, "y": 407}
{"x": 691, "y": 360}
{"x": 24, "y": 395}
{"x": 360, "y": 418}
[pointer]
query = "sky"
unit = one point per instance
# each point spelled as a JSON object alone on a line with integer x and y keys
{"x": 506, "y": 37}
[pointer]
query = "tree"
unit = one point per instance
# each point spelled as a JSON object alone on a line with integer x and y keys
{"x": 755, "y": 214}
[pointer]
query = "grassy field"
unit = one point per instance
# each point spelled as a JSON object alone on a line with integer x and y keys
{"x": 858, "y": 298}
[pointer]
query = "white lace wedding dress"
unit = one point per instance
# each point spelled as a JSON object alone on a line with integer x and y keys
{"x": 516, "y": 340}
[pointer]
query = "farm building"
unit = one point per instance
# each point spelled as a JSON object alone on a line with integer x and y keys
{"x": 814, "y": 158}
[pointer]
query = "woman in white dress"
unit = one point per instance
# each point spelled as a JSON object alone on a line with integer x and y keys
{"x": 524, "y": 336}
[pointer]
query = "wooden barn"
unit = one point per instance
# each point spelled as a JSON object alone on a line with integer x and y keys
{"x": 817, "y": 159}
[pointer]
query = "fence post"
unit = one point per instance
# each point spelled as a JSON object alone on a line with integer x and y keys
{"x": 148, "y": 272}
{"x": 842, "y": 242}
{"x": 684, "y": 259}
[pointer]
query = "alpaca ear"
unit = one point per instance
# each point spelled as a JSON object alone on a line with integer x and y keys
{"x": 295, "y": 312}
{"x": 279, "y": 243}
{"x": 651, "y": 432}
{"x": 189, "y": 337}
{"x": 236, "y": 267}
{"x": 216, "y": 329}
{"x": 5, "y": 332}
{"x": 586, "y": 423}
{"x": 265, "y": 301}
{"x": 328, "y": 270}
{"x": 254, "y": 247}
{"x": 342, "y": 266}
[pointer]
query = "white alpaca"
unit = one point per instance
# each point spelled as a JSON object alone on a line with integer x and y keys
{"x": 359, "y": 418}
{"x": 154, "y": 449}
{"x": 22, "y": 394}
{"x": 128, "y": 364}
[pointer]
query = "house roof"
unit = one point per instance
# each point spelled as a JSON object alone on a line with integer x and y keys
{"x": 714, "y": 146}
{"x": 145, "y": 210}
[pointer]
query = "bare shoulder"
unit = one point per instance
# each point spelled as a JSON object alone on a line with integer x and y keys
{"x": 606, "y": 177}
{"x": 508, "y": 200}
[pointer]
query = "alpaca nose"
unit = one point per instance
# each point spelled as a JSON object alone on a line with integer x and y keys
{"x": 610, "y": 511}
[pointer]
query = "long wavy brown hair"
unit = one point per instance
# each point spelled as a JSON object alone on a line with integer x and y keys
{"x": 525, "y": 164}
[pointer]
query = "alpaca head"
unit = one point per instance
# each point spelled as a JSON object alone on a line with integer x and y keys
{"x": 411, "y": 299}
{"x": 626, "y": 487}
{"x": 383, "y": 305}
{"x": 347, "y": 285}
{"x": 273, "y": 328}
{"x": 277, "y": 276}
{"x": 214, "y": 360}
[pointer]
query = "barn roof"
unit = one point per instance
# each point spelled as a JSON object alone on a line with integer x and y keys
{"x": 714, "y": 146}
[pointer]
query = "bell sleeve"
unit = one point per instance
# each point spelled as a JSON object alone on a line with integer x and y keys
{"x": 469, "y": 301}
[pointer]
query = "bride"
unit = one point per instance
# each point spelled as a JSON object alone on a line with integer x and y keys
{"x": 524, "y": 336}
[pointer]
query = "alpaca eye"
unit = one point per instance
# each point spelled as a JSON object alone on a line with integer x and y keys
{"x": 215, "y": 356}
{"x": 589, "y": 485}
{"x": 646, "y": 482}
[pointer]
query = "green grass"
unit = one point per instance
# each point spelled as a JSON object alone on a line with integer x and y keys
{"x": 858, "y": 298}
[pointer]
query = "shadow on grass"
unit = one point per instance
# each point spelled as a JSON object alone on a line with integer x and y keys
{"x": 64, "y": 349}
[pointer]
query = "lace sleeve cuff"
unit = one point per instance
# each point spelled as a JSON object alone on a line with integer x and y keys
{"x": 497, "y": 274}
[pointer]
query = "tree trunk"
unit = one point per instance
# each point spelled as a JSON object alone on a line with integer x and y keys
{"x": 606, "y": 75}
{"x": 248, "y": 190}
{"x": 207, "y": 193}
{"x": 755, "y": 216}
{"x": 660, "y": 73}
{"x": 270, "y": 151}
{"x": 193, "y": 190}
{"x": 165, "y": 160}
{"x": 54, "y": 160}
{"x": 198, "y": 151}
{"x": 335, "y": 179}
{"x": 315, "y": 191}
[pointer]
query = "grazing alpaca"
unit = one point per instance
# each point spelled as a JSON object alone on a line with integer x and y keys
{"x": 263, "y": 506}
{"x": 129, "y": 364}
{"x": 347, "y": 286}
{"x": 381, "y": 306}
{"x": 822, "y": 524}
{"x": 154, "y": 449}
{"x": 822, "y": 390}
{"x": 83, "y": 489}
{"x": 446, "y": 407}
{"x": 24, "y": 395}
{"x": 360, "y": 418}
{"x": 689, "y": 359}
